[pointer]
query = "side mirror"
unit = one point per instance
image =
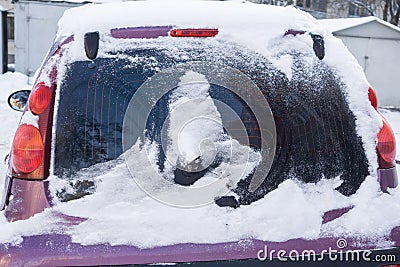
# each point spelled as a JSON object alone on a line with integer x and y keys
{"x": 18, "y": 100}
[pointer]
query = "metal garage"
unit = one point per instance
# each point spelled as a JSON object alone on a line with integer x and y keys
{"x": 35, "y": 29}
{"x": 376, "y": 45}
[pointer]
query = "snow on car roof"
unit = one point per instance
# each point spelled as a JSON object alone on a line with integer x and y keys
{"x": 72, "y": 2}
{"x": 232, "y": 17}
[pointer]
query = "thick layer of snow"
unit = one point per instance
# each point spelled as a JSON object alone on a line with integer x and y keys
{"x": 113, "y": 208}
{"x": 194, "y": 140}
{"x": 237, "y": 21}
{"x": 193, "y": 118}
{"x": 230, "y": 16}
{"x": 82, "y": 1}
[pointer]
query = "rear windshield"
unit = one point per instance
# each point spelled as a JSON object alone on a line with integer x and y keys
{"x": 316, "y": 133}
{"x": 93, "y": 101}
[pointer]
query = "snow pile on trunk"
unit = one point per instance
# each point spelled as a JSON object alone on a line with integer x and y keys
{"x": 148, "y": 223}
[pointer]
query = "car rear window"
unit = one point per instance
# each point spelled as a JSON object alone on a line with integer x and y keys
{"x": 316, "y": 132}
{"x": 93, "y": 102}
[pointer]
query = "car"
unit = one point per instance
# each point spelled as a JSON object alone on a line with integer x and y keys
{"x": 209, "y": 133}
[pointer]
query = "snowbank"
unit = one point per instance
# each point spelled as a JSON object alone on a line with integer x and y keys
{"x": 9, "y": 83}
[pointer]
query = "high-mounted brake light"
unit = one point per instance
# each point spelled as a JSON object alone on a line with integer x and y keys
{"x": 386, "y": 146}
{"x": 40, "y": 98}
{"x": 27, "y": 149}
{"x": 373, "y": 98}
{"x": 194, "y": 32}
{"x": 294, "y": 32}
{"x": 141, "y": 32}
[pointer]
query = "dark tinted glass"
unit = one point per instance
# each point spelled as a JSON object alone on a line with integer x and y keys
{"x": 316, "y": 134}
{"x": 93, "y": 103}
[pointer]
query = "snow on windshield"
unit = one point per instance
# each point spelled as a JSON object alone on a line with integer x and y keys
{"x": 196, "y": 129}
{"x": 192, "y": 121}
{"x": 195, "y": 141}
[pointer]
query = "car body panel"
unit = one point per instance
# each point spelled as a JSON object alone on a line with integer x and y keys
{"x": 388, "y": 178}
{"x": 58, "y": 250}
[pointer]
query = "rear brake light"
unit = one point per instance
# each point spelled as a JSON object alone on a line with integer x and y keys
{"x": 27, "y": 149}
{"x": 30, "y": 154}
{"x": 40, "y": 98}
{"x": 373, "y": 98}
{"x": 386, "y": 146}
{"x": 194, "y": 32}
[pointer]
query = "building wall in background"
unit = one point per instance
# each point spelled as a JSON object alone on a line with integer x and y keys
{"x": 376, "y": 50}
{"x": 7, "y": 5}
{"x": 35, "y": 29}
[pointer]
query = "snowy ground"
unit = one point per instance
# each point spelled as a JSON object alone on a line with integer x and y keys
{"x": 153, "y": 218}
{"x": 9, "y": 82}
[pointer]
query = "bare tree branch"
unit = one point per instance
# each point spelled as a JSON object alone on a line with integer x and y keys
{"x": 386, "y": 10}
{"x": 363, "y": 5}
{"x": 391, "y": 9}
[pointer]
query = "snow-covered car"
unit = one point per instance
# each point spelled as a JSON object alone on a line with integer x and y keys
{"x": 222, "y": 133}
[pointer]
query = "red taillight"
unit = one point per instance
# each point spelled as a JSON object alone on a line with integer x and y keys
{"x": 372, "y": 98}
{"x": 30, "y": 155}
{"x": 194, "y": 32}
{"x": 40, "y": 98}
{"x": 386, "y": 146}
{"x": 27, "y": 149}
